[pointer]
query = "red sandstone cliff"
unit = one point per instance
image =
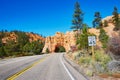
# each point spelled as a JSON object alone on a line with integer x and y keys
{"x": 12, "y": 36}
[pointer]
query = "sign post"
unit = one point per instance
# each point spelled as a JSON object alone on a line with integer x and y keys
{"x": 92, "y": 42}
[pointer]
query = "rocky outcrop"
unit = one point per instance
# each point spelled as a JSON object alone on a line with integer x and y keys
{"x": 12, "y": 36}
{"x": 66, "y": 40}
{"x": 9, "y": 36}
{"x": 35, "y": 37}
{"x": 109, "y": 30}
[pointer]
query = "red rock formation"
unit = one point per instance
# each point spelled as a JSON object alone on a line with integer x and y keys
{"x": 35, "y": 37}
{"x": 66, "y": 40}
{"x": 13, "y": 36}
{"x": 109, "y": 30}
{"x": 9, "y": 36}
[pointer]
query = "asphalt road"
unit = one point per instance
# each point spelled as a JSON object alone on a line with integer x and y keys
{"x": 42, "y": 67}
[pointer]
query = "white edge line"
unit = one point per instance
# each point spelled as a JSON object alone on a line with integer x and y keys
{"x": 72, "y": 78}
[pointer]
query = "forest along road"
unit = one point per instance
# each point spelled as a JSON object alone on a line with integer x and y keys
{"x": 42, "y": 67}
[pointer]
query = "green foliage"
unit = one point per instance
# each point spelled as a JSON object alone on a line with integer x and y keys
{"x": 60, "y": 49}
{"x": 28, "y": 47}
{"x": 33, "y": 47}
{"x": 97, "y": 21}
{"x": 105, "y": 23}
{"x": 20, "y": 47}
{"x": 103, "y": 37}
{"x": 22, "y": 39}
{"x": 12, "y": 47}
{"x": 82, "y": 40}
{"x": 2, "y": 52}
{"x": 100, "y": 56}
{"x": 85, "y": 60}
{"x": 102, "y": 59}
{"x": 38, "y": 46}
{"x": 47, "y": 50}
{"x": 116, "y": 19}
{"x": 77, "y": 18}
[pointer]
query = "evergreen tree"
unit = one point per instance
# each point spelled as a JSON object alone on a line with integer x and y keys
{"x": 38, "y": 46}
{"x": 97, "y": 21}
{"x": 2, "y": 49}
{"x": 105, "y": 23}
{"x": 82, "y": 41}
{"x": 22, "y": 39}
{"x": 2, "y": 52}
{"x": 77, "y": 18}
{"x": 116, "y": 19}
{"x": 103, "y": 37}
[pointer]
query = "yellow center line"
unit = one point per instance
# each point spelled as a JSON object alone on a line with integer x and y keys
{"x": 13, "y": 77}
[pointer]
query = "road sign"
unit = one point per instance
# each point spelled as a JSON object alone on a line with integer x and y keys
{"x": 91, "y": 40}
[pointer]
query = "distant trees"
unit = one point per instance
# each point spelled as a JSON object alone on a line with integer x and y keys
{"x": 60, "y": 49}
{"x": 97, "y": 21}
{"x": 47, "y": 50}
{"x": 77, "y": 18}
{"x": 116, "y": 19}
{"x": 34, "y": 47}
{"x": 21, "y": 47}
{"x": 38, "y": 46}
{"x": 2, "y": 49}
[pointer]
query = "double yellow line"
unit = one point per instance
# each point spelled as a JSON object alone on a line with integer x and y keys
{"x": 24, "y": 70}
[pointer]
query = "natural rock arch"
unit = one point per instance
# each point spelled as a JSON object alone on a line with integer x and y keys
{"x": 66, "y": 40}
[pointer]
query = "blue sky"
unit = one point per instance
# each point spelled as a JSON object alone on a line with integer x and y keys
{"x": 46, "y": 17}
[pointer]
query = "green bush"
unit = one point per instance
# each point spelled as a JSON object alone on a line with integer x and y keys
{"x": 47, "y": 50}
{"x": 85, "y": 60}
{"x": 103, "y": 37}
{"x": 102, "y": 58}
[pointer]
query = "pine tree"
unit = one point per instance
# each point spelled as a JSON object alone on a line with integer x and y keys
{"x": 82, "y": 41}
{"x": 2, "y": 52}
{"x": 116, "y": 19}
{"x": 77, "y": 18}
{"x": 97, "y": 21}
{"x": 103, "y": 37}
{"x": 105, "y": 23}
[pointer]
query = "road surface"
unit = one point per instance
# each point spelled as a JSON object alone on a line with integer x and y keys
{"x": 42, "y": 67}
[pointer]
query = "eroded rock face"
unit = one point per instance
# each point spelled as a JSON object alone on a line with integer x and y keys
{"x": 12, "y": 36}
{"x": 35, "y": 37}
{"x": 109, "y": 30}
{"x": 66, "y": 40}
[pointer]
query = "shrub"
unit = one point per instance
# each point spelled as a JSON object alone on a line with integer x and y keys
{"x": 76, "y": 55}
{"x": 85, "y": 60}
{"x": 102, "y": 59}
{"x": 100, "y": 56}
{"x": 47, "y": 50}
